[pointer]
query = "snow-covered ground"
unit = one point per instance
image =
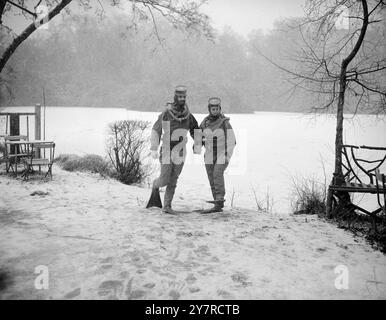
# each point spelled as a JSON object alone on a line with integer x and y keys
{"x": 96, "y": 241}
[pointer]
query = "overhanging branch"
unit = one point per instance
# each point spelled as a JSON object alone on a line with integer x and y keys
{"x": 22, "y": 8}
{"x": 28, "y": 31}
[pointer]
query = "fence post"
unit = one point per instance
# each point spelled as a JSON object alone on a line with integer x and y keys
{"x": 38, "y": 125}
{"x": 14, "y": 130}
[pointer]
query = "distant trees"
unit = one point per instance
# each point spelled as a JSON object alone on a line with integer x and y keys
{"x": 272, "y": 84}
{"x": 84, "y": 61}
{"x": 185, "y": 14}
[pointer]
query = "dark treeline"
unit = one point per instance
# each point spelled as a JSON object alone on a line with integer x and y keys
{"x": 81, "y": 60}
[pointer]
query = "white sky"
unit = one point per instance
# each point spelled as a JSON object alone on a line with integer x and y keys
{"x": 243, "y": 16}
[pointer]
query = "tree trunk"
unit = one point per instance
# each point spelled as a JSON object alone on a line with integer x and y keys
{"x": 339, "y": 125}
{"x": 27, "y": 32}
{"x": 338, "y": 174}
{"x": 342, "y": 89}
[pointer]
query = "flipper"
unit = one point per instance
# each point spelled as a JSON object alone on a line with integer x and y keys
{"x": 155, "y": 199}
{"x": 198, "y": 210}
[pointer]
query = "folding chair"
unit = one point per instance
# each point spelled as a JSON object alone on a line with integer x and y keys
{"x": 15, "y": 152}
{"x": 33, "y": 161}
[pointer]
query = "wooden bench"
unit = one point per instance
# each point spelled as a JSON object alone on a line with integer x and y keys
{"x": 356, "y": 187}
{"x": 358, "y": 179}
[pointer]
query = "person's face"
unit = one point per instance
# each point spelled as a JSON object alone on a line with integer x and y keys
{"x": 181, "y": 98}
{"x": 215, "y": 110}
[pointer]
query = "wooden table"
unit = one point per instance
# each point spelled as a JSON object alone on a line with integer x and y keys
{"x": 18, "y": 143}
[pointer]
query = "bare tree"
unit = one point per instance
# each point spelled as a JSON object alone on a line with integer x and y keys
{"x": 125, "y": 148}
{"x": 181, "y": 13}
{"x": 340, "y": 65}
{"x": 354, "y": 69}
{"x": 346, "y": 64}
{"x": 21, "y": 5}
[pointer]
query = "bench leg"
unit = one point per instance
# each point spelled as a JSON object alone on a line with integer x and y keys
{"x": 26, "y": 172}
{"x": 11, "y": 168}
{"x": 24, "y": 175}
{"x": 374, "y": 219}
{"x": 49, "y": 171}
{"x": 30, "y": 170}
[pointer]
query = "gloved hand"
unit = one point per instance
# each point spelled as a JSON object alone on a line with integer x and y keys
{"x": 197, "y": 152}
{"x": 154, "y": 154}
{"x": 196, "y": 149}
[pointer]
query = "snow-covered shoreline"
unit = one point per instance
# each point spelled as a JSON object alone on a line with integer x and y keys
{"x": 98, "y": 242}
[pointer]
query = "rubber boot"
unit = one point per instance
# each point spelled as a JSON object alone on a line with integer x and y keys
{"x": 168, "y": 198}
{"x": 219, "y": 205}
{"x": 155, "y": 199}
{"x": 220, "y": 202}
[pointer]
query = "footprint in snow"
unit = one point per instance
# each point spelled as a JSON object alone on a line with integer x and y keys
{"x": 110, "y": 289}
{"x": 241, "y": 278}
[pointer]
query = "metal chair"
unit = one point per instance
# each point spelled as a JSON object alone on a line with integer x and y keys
{"x": 15, "y": 152}
{"x": 32, "y": 161}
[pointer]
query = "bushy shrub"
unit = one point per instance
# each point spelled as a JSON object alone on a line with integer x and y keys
{"x": 126, "y": 144}
{"x": 90, "y": 162}
{"x": 68, "y": 162}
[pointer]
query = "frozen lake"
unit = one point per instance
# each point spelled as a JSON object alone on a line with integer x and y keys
{"x": 272, "y": 148}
